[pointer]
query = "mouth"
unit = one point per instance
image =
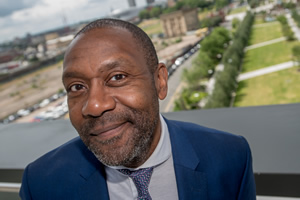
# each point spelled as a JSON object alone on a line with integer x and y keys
{"x": 110, "y": 131}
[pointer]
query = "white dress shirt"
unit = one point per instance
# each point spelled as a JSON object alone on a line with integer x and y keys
{"x": 163, "y": 182}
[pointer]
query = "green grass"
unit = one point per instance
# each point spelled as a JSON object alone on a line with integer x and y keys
{"x": 268, "y": 55}
{"x": 151, "y": 26}
{"x": 258, "y": 20}
{"x": 265, "y": 32}
{"x": 275, "y": 88}
{"x": 238, "y": 10}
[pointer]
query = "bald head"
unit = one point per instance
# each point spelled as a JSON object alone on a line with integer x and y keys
{"x": 141, "y": 38}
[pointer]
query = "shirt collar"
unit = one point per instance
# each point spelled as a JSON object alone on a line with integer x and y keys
{"x": 161, "y": 153}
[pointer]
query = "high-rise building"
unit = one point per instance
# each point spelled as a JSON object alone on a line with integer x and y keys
{"x": 131, "y": 3}
{"x": 150, "y": 1}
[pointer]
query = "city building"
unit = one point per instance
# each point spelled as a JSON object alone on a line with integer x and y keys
{"x": 131, "y": 3}
{"x": 58, "y": 45}
{"x": 178, "y": 23}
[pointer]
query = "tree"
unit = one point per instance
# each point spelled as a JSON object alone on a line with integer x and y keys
{"x": 226, "y": 82}
{"x": 221, "y": 3}
{"x": 215, "y": 44}
{"x": 296, "y": 54}
{"x": 235, "y": 23}
{"x": 144, "y": 14}
{"x": 211, "y": 21}
{"x": 155, "y": 12}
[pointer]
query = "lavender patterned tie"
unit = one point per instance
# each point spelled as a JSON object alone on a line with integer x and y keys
{"x": 141, "y": 179}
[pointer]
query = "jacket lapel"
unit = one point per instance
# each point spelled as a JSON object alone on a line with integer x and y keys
{"x": 191, "y": 184}
{"x": 93, "y": 177}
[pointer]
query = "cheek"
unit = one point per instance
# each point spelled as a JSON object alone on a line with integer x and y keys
{"x": 139, "y": 98}
{"x": 75, "y": 114}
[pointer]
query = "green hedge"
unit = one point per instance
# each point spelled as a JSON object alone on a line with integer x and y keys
{"x": 226, "y": 82}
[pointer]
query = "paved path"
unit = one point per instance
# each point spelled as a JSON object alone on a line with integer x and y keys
{"x": 265, "y": 43}
{"x": 277, "y": 67}
{"x": 265, "y": 24}
{"x": 265, "y": 70}
{"x": 293, "y": 26}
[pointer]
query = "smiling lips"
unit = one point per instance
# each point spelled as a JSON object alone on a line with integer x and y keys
{"x": 109, "y": 131}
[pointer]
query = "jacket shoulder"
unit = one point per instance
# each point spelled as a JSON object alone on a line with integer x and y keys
{"x": 60, "y": 172}
{"x": 224, "y": 158}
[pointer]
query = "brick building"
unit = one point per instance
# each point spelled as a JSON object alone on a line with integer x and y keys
{"x": 179, "y": 22}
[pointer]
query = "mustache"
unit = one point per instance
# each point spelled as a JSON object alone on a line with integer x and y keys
{"x": 105, "y": 119}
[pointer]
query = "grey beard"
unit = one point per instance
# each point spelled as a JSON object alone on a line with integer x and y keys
{"x": 139, "y": 145}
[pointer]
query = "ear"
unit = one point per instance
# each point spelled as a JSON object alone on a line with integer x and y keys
{"x": 161, "y": 81}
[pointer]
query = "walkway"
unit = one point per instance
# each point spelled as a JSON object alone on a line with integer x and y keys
{"x": 277, "y": 67}
{"x": 265, "y": 70}
{"x": 265, "y": 43}
{"x": 293, "y": 26}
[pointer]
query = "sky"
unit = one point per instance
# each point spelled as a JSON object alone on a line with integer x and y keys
{"x": 19, "y": 17}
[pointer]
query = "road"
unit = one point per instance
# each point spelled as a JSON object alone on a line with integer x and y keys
{"x": 175, "y": 85}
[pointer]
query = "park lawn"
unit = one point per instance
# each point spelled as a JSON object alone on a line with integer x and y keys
{"x": 275, "y": 88}
{"x": 265, "y": 32}
{"x": 268, "y": 55}
{"x": 258, "y": 20}
{"x": 151, "y": 26}
{"x": 238, "y": 10}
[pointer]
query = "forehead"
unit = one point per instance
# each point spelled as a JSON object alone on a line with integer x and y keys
{"x": 103, "y": 43}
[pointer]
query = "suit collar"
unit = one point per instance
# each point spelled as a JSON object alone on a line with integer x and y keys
{"x": 191, "y": 183}
{"x": 184, "y": 156}
{"x": 93, "y": 176}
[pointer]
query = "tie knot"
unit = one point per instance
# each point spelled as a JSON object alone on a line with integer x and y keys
{"x": 137, "y": 173}
{"x": 141, "y": 179}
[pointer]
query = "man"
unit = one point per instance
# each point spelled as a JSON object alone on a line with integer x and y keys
{"x": 113, "y": 80}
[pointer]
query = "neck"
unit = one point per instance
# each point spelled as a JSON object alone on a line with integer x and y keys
{"x": 154, "y": 142}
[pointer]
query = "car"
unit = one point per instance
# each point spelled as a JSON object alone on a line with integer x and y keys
{"x": 44, "y": 103}
{"x": 186, "y": 56}
{"x": 179, "y": 61}
{"x": 54, "y": 97}
{"x": 23, "y": 112}
{"x": 171, "y": 71}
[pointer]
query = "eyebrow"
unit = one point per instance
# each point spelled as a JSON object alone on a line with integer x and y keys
{"x": 71, "y": 74}
{"x": 108, "y": 65}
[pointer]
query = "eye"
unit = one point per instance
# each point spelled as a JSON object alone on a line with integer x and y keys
{"x": 118, "y": 77}
{"x": 76, "y": 87}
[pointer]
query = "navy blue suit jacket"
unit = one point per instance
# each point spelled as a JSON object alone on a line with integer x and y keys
{"x": 208, "y": 164}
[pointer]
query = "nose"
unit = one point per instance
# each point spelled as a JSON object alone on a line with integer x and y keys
{"x": 98, "y": 102}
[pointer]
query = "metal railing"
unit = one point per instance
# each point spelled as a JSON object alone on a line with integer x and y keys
{"x": 10, "y": 187}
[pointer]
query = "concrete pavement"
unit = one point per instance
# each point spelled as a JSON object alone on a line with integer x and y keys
{"x": 293, "y": 26}
{"x": 277, "y": 67}
{"x": 265, "y": 70}
{"x": 265, "y": 43}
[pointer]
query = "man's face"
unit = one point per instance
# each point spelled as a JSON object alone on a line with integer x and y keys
{"x": 113, "y": 96}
